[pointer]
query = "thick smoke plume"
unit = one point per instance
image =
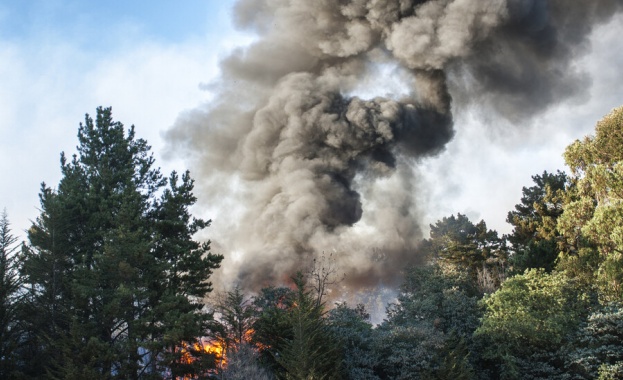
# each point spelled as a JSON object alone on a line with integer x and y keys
{"x": 307, "y": 167}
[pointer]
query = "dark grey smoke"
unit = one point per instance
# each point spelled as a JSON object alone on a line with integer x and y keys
{"x": 316, "y": 169}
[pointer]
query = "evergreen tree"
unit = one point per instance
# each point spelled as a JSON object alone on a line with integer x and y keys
{"x": 46, "y": 273}
{"x": 312, "y": 353}
{"x": 232, "y": 331}
{"x": 433, "y": 317}
{"x": 356, "y": 337}
{"x": 464, "y": 248}
{"x": 534, "y": 238}
{"x": 455, "y": 364}
{"x": 598, "y": 345}
{"x": 292, "y": 334}
{"x": 10, "y": 334}
{"x": 272, "y": 326}
{"x": 113, "y": 262}
{"x": 235, "y": 317}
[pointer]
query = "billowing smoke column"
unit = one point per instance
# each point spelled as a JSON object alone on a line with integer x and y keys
{"x": 316, "y": 169}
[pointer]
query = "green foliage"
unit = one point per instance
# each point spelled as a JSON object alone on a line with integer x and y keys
{"x": 235, "y": 318}
{"x": 272, "y": 327}
{"x": 429, "y": 296}
{"x": 527, "y": 320}
{"x": 232, "y": 331}
{"x": 408, "y": 352}
{"x": 461, "y": 247}
{"x": 292, "y": 334}
{"x": 312, "y": 353}
{"x": 46, "y": 273}
{"x": 455, "y": 364}
{"x": 535, "y": 238}
{"x": 611, "y": 371}
{"x": 115, "y": 279}
{"x": 592, "y": 223}
{"x": 10, "y": 330}
{"x": 353, "y": 331}
{"x": 597, "y": 350}
{"x": 423, "y": 328}
{"x": 111, "y": 284}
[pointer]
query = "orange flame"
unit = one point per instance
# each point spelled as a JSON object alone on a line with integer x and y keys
{"x": 217, "y": 348}
{"x": 248, "y": 338}
{"x": 213, "y": 347}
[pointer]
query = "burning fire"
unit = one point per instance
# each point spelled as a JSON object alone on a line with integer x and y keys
{"x": 216, "y": 347}
{"x": 248, "y": 338}
{"x": 213, "y": 347}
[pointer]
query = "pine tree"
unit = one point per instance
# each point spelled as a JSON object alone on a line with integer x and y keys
{"x": 461, "y": 247}
{"x": 9, "y": 297}
{"x": 112, "y": 257}
{"x": 312, "y": 353}
{"x": 272, "y": 326}
{"x": 535, "y": 239}
{"x": 235, "y": 318}
{"x": 46, "y": 272}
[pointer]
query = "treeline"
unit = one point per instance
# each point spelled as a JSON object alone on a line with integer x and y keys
{"x": 111, "y": 285}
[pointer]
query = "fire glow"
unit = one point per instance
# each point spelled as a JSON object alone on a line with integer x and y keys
{"x": 218, "y": 348}
{"x": 211, "y": 347}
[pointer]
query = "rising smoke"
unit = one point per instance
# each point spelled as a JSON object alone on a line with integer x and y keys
{"x": 316, "y": 169}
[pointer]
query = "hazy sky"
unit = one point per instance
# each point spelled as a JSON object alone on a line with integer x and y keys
{"x": 60, "y": 59}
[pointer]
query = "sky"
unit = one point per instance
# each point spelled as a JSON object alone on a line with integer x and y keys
{"x": 61, "y": 59}
{"x": 151, "y": 61}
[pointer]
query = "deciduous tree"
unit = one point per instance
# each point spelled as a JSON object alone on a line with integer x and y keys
{"x": 527, "y": 321}
{"x": 592, "y": 222}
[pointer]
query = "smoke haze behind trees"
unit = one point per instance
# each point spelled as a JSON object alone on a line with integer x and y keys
{"x": 309, "y": 167}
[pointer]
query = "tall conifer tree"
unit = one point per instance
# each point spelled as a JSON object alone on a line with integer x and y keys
{"x": 114, "y": 248}
{"x": 9, "y": 296}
